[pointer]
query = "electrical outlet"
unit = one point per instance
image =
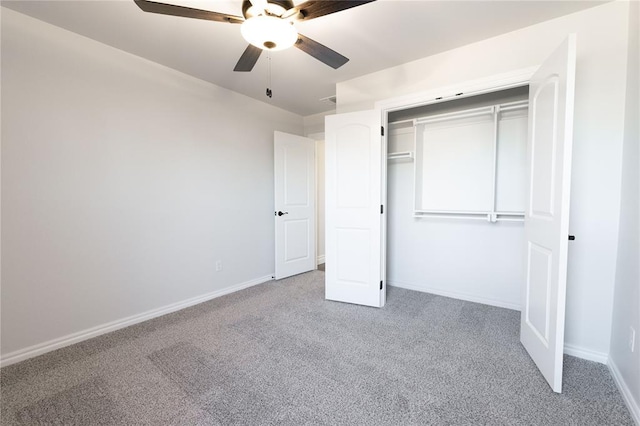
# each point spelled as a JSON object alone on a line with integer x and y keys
{"x": 218, "y": 265}
{"x": 632, "y": 339}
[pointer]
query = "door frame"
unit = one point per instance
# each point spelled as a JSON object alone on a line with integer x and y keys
{"x": 508, "y": 80}
{"x": 504, "y": 81}
{"x": 318, "y": 137}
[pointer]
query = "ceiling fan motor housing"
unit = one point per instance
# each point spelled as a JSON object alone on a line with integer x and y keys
{"x": 247, "y": 5}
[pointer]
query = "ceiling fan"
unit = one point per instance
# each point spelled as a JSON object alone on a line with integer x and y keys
{"x": 269, "y": 25}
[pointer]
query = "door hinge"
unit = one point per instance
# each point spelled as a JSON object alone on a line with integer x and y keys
{"x": 381, "y": 209}
{"x": 572, "y": 237}
{"x": 381, "y": 130}
{"x": 380, "y": 285}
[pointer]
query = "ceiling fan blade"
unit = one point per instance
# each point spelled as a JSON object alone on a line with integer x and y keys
{"x": 321, "y": 52}
{"x": 187, "y": 12}
{"x": 315, "y": 8}
{"x": 248, "y": 59}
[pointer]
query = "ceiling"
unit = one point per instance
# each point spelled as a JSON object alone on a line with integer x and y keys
{"x": 373, "y": 36}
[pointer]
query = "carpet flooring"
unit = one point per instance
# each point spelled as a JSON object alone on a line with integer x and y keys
{"x": 279, "y": 354}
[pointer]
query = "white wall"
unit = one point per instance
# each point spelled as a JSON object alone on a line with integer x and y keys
{"x": 122, "y": 183}
{"x": 599, "y": 123}
{"x": 450, "y": 257}
{"x": 314, "y": 124}
{"x": 314, "y": 129}
{"x": 626, "y": 307}
{"x": 320, "y": 177}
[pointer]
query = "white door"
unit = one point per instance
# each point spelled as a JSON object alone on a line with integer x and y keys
{"x": 295, "y": 204}
{"x": 353, "y": 198}
{"x": 547, "y": 213}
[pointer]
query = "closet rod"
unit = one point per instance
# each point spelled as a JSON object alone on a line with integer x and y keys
{"x": 476, "y": 216}
{"x": 451, "y": 216}
{"x": 399, "y": 155}
{"x": 508, "y": 106}
{"x": 510, "y": 219}
{"x": 469, "y": 212}
{"x": 514, "y": 107}
{"x": 514, "y": 103}
{"x": 410, "y": 120}
{"x": 454, "y": 116}
{"x": 458, "y": 212}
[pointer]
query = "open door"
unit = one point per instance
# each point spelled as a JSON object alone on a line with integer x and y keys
{"x": 353, "y": 198}
{"x": 547, "y": 214}
{"x": 295, "y": 204}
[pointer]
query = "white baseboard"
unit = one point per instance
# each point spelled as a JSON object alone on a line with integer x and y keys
{"x": 457, "y": 295}
{"x": 320, "y": 260}
{"x": 632, "y": 404}
{"x": 70, "y": 339}
{"x": 587, "y": 354}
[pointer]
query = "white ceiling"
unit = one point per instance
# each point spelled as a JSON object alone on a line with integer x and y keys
{"x": 374, "y": 36}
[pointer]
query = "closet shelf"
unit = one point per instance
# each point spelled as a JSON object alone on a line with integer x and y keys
{"x": 400, "y": 155}
{"x": 488, "y": 216}
{"x": 466, "y": 113}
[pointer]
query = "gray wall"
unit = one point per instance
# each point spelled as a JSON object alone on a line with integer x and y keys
{"x": 123, "y": 182}
{"x": 626, "y": 307}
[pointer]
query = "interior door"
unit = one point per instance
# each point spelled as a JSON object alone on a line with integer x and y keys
{"x": 295, "y": 204}
{"x": 353, "y": 198}
{"x": 547, "y": 213}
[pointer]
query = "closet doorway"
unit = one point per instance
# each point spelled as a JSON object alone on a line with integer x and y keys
{"x": 356, "y": 192}
{"x": 456, "y": 184}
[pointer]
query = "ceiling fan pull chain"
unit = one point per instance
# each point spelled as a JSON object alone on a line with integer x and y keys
{"x": 269, "y": 92}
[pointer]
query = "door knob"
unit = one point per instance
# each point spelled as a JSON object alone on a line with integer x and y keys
{"x": 280, "y": 213}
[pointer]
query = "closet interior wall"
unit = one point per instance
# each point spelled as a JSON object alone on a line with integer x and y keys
{"x": 453, "y": 255}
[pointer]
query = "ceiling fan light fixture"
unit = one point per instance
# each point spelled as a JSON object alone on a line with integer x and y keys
{"x": 269, "y": 32}
{"x": 271, "y": 8}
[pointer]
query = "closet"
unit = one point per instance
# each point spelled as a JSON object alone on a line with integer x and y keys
{"x": 455, "y": 197}
{"x": 459, "y": 197}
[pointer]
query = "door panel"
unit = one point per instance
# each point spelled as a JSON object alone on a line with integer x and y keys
{"x": 296, "y": 242}
{"x": 353, "y": 195}
{"x": 353, "y": 152}
{"x": 538, "y": 286}
{"x": 547, "y": 214}
{"x": 543, "y": 140}
{"x": 294, "y": 175}
{"x": 353, "y": 261}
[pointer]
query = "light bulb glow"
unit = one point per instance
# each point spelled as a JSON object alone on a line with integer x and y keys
{"x": 269, "y": 32}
